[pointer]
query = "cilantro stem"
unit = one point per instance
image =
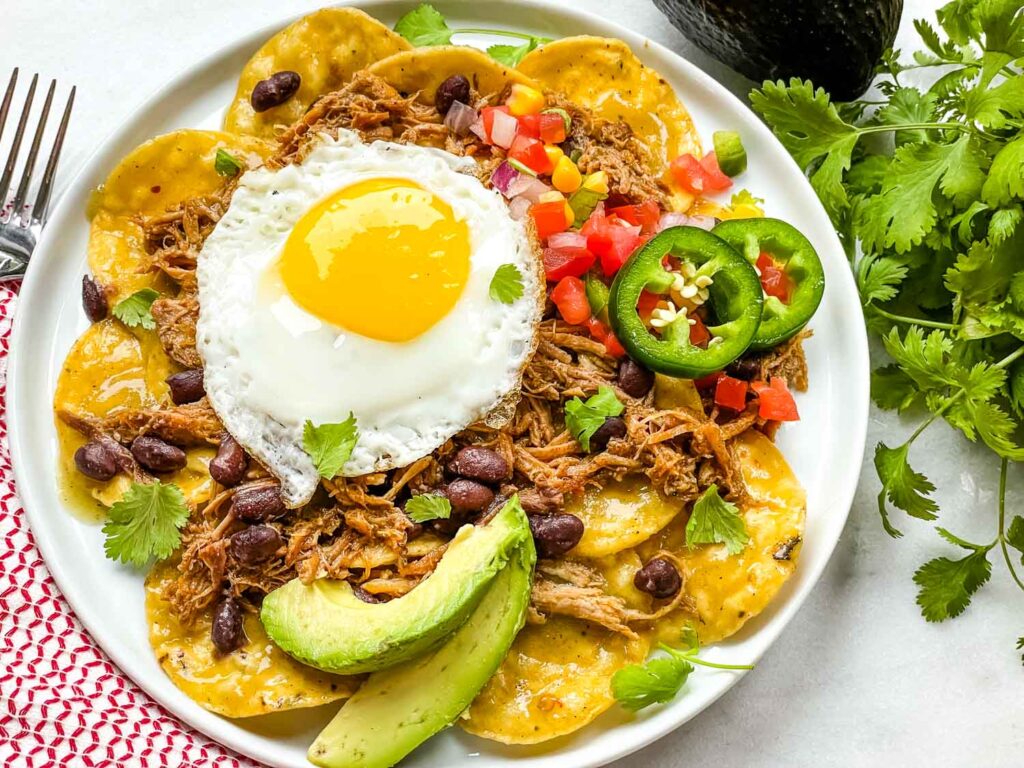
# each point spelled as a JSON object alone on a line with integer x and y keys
{"x": 1002, "y": 525}
{"x": 693, "y": 659}
{"x": 501, "y": 33}
{"x": 914, "y": 320}
{"x": 1010, "y": 357}
{"x": 916, "y": 127}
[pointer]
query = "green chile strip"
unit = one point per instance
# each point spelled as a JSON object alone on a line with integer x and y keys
{"x": 795, "y": 254}
{"x": 735, "y": 303}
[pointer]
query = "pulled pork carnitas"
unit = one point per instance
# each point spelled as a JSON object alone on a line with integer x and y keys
{"x": 241, "y": 545}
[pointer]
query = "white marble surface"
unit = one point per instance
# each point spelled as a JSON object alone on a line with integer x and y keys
{"x": 858, "y": 678}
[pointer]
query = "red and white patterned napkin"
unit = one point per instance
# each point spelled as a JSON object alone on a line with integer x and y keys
{"x": 62, "y": 702}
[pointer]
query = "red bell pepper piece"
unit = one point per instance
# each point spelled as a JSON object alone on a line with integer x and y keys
{"x": 776, "y": 401}
{"x": 731, "y": 393}
{"x": 549, "y": 218}
{"x": 570, "y": 296}
{"x": 699, "y": 333}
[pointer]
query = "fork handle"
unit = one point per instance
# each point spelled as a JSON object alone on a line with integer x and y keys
{"x": 11, "y": 267}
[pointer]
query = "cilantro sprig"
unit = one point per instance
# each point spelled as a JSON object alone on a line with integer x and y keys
{"x": 659, "y": 680}
{"x": 507, "y": 284}
{"x": 714, "y": 520}
{"x": 584, "y": 417}
{"x": 428, "y": 506}
{"x": 145, "y": 523}
{"x": 425, "y": 25}
{"x": 226, "y": 164}
{"x": 330, "y": 445}
{"x": 134, "y": 311}
{"x": 926, "y": 190}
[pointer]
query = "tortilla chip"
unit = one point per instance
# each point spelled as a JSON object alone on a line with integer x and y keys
{"x": 255, "y": 680}
{"x": 423, "y": 69}
{"x": 557, "y": 675}
{"x": 605, "y": 76}
{"x": 154, "y": 176}
{"x": 619, "y": 515}
{"x": 326, "y": 48}
{"x": 729, "y": 590}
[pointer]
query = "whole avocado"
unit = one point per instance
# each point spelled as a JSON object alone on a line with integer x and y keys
{"x": 834, "y": 43}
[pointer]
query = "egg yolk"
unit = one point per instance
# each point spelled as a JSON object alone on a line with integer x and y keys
{"x": 384, "y": 258}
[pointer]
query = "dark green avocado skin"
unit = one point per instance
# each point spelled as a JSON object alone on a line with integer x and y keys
{"x": 834, "y": 43}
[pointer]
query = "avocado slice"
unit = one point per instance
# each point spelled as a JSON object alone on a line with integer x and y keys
{"x": 325, "y": 625}
{"x": 398, "y": 709}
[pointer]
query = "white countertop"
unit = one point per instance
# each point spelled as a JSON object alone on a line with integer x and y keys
{"x": 858, "y": 678}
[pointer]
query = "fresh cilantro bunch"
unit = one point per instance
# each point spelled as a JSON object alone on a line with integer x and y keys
{"x": 926, "y": 188}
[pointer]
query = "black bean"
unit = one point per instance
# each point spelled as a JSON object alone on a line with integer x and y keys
{"x": 555, "y": 535}
{"x": 255, "y": 544}
{"x": 95, "y": 460}
{"x": 275, "y": 90}
{"x": 455, "y": 88}
{"x": 634, "y": 379}
{"x": 94, "y": 300}
{"x": 257, "y": 505}
{"x": 479, "y": 463}
{"x": 746, "y": 368}
{"x": 468, "y": 495}
{"x": 227, "y": 631}
{"x": 613, "y": 428}
{"x": 366, "y": 597}
{"x": 658, "y": 578}
{"x": 229, "y": 465}
{"x": 158, "y": 455}
{"x": 186, "y": 386}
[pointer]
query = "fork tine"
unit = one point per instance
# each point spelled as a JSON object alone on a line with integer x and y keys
{"x": 41, "y": 207}
{"x": 12, "y": 158}
{"x": 33, "y": 150}
{"x": 6, "y": 105}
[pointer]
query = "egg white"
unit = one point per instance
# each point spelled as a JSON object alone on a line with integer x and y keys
{"x": 270, "y": 365}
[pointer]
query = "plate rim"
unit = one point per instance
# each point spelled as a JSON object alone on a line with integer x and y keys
{"x": 640, "y": 733}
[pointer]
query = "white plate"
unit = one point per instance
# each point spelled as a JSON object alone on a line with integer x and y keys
{"x": 824, "y": 448}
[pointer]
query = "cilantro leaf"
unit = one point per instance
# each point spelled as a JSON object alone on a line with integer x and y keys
{"x": 424, "y": 25}
{"x": 134, "y": 311}
{"x": 428, "y": 506}
{"x": 904, "y": 487}
{"x": 511, "y": 55}
{"x": 330, "y": 445}
{"x": 879, "y": 278}
{"x": 922, "y": 358}
{"x": 1015, "y": 535}
{"x": 583, "y": 419}
{"x": 640, "y": 685}
{"x": 946, "y": 586}
{"x": 994, "y": 107}
{"x": 908, "y": 106}
{"x": 507, "y": 284}
{"x": 892, "y": 389}
{"x": 146, "y": 522}
{"x": 714, "y": 520}
{"x": 1006, "y": 176}
{"x": 225, "y": 163}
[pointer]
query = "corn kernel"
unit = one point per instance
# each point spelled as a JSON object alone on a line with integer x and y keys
{"x": 566, "y": 176}
{"x": 554, "y": 196}
{"x": 597, "y": 182}
{"x": 525, "y": 100}
{"x": 554, "y": 153}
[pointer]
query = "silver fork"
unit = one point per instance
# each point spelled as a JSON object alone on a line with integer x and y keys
{"x": 20, "y": 225}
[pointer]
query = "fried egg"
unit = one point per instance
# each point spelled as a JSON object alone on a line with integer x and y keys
{"x": 357, "y": 282}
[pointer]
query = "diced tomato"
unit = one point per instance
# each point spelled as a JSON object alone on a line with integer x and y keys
{"x": 699, "y": 333}
{"x": 645, "y": 215}
{"x": 777, "y": 403}
{"x": 549, "y": 218}
{"x": 646, "y": 303}
{"x": 613, "y": 346}
{"x": 529, "y": 126}
{"x": 604, "y": 334}
{"x": 612, "y": 243}
{"x": 570, "y": 296}
{"x": 530, "y": 152}
{"x": 551, "y": 128}
{"x": 487, "y": 116}
{"x": 714, "y": 179}
{"x": 774, "y": 279}
{"x": 709, "y": 382}
{"x": 731, "y": 393}
{"x": 565, "y": 262}
{"x": 699, "y": 176}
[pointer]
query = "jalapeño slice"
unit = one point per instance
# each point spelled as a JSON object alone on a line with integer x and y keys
{"x": 735, "y": 303}
{"x": 799, "y": 261}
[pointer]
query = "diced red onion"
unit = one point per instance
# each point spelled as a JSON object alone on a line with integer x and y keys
{"x": 567, "y": 240}
{"x": 674, "y": 219}
{"x": 503, "y": 130}
{"x": 478, "y": 128}
{"x": 502, "y": 178}
{"x": 460, "y": 118}
{"x": 518, "y": 206}
{"x": 527, "y": 186}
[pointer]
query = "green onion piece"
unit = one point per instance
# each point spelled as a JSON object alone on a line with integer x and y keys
{"x": 732, "y": 157}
